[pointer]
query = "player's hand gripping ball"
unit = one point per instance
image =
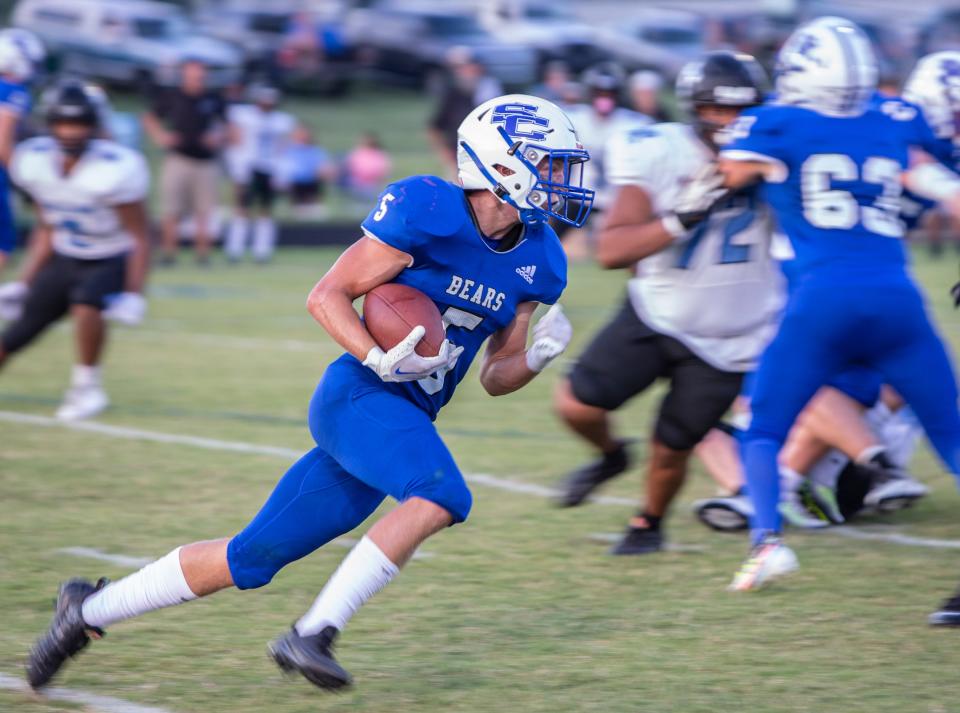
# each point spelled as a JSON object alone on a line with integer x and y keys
{"x": 409, "y": 332}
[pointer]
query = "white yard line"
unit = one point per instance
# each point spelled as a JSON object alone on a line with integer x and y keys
{"x": 92, "y": 701}
{"x": 95, "y": 554}
{"x": 138, "y": 562}
{"x": 490, "y": 481}
{"x": 856, "y": 533}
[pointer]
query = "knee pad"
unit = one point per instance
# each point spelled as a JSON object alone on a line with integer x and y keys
{"x": 677, "y": 435}
{"x": 448, "y": 490}
{"x": 252, "y": 566}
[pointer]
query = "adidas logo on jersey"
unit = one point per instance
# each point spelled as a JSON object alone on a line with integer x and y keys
{"x": 527, "y": 273}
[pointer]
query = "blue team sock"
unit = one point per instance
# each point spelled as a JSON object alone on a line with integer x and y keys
{"x": 763, "y": 481}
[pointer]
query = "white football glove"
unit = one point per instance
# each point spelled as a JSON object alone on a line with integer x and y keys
{"x": 695, "y": 200}
{"x": 551, "y": 335}
{"x": 402, "y": 363}
{"x": 12, "y": 296}
{"x": 126, "y": 308}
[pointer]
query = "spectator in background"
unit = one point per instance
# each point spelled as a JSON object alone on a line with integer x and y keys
{"x": 645, "y": 87}
{"x": 468, "y": 85}
{"x": 366, "y": 169}
{"x": 259, "y": 135}
{"x": 308, "y": 171}
{"x": 187, "y": 121}
{"x": 554, "y": 83}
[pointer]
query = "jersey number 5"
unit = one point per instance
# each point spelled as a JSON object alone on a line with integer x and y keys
{"x": 451, "y": 317}
{"x": 831, "y": 208}
{"x": 384, "y": 204}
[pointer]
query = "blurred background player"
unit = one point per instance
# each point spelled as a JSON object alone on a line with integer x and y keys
{"x": 258, "y": 135}
{"x": 20, "y": 55}
{"x": 855, "y": 304}
{"x": 702, "y": 303}
{"x": 838, "y": 450}
{"x": 90, "y": 253}
{"x": 645, "y": 87}
{"x": 519, "y": 162}
{"x": 599, "y": 117}
{"x": 187, "y": 122}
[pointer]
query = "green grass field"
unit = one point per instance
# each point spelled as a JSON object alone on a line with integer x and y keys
{"x": 519, "y": 609}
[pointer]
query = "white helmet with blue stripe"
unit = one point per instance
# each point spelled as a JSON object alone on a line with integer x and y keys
{"x": 934, "y": 85}
{"x": 20, "y": 53}
{"x": 829, "y": 66}
{"x": 504, "y": 143}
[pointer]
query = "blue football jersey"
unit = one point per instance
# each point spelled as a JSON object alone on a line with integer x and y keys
{"x": 836, "y": 189}
{"x": 476, "y": 288}
{"x": 14, "y": 97}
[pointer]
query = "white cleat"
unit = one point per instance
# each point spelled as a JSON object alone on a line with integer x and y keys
{"x": 725, "y": 514}
{"x": 769, "y": 560}
{"x": 82, "y": 402}
{"x": 795, "y": 512}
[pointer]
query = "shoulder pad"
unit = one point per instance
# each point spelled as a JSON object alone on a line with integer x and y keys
{"x": 430, "y": 204}
{"x": 122, "y": 173}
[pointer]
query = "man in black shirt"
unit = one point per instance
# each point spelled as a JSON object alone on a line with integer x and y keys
{"x": 188, "y": 122}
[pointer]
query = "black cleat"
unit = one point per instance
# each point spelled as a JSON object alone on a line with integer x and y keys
{"x": 312, "y": 657}
{"x": 891, "y": 488}
{"x": 948, "y": 614}
{"x": 638, "y": 541}
{"x": 583, "y": 481}
{"x": 67, "y": 636}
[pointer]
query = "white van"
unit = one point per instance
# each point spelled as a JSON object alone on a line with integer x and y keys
{"x": 124, "y": 41}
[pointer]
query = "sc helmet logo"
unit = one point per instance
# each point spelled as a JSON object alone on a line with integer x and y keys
{"x": 520, "y": 121}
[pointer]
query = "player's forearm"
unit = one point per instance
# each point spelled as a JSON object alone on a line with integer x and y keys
{"x": 623, "y": 245}
{"x": 138, "y": 262}
{"x": 332, "y": 307}
{"x": 504, "y": 375}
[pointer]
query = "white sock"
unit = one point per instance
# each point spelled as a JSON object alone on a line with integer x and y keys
{"x": 160, "y": 584}
{"x": 790, "y": 481}
{"x": 868, "y": 453}
{"x": 85, "y": 376}
{"x": 264, "y": 238}
{"x": 236, "y": 241}
{"x": 363, "y": 573}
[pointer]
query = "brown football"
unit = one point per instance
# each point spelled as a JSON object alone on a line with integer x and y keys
{"x": 390, "y": 311}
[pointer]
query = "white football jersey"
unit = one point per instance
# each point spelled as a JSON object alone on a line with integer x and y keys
{"x": 80, "y": 207}
{"x": 719, "y": 291}
{"x": 594, "y": 132}
{"x": 262, "y": 144}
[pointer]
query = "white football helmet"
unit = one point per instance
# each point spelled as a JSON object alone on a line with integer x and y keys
{"x": 20, "y": 52}
{"x": 934, "y": 85}
{"x": 517, "y": 132}
{"x": 827, "y": 65}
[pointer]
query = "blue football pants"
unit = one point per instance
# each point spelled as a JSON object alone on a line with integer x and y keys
{"x": 371, "y": 442}
{"x": 828, "y": 329}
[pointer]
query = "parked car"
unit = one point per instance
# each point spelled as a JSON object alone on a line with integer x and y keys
{"x": 411, "y": 42}
{"x": 550, "y": 28}
{"x": 126, "y": 42}
{"x": 294, "y": 49}
{"x": 663, "y": 40}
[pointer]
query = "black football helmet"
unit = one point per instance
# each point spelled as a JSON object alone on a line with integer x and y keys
{"x": 73, "y": 102}
{"x": 719, "y": 78}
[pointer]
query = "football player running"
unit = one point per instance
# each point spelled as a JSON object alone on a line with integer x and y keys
{"x": 832, "y": 158}
{"x": 485, "y": 254}
{"x": 90, "y": 252}
{"x": 20, "y": 53}
{"x": 703, "y": 301}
